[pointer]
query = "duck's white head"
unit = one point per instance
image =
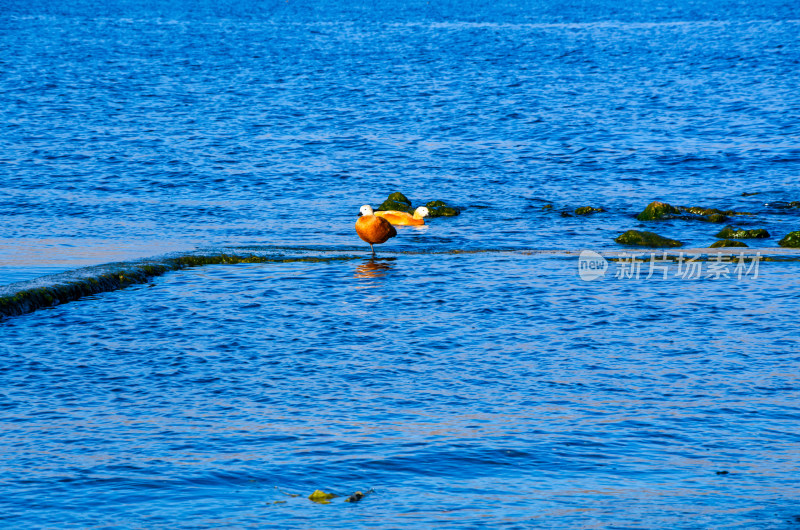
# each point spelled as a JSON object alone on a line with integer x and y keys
{"x": 366, "y": 210}
{"x": 421, "y": 212}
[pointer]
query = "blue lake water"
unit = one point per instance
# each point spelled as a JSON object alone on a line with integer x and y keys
{"x": 469, "y": 389}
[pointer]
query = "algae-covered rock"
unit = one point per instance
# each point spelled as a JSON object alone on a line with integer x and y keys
{"x": 660, "y": 210}
{"x": 731, "y": 232}
{"x": 355, "y": 497}
{"x": 398, "y": 197}
{"x": 397, "y": 206}
{"x": 585, "y": 210}
{"x": 699, "y": 210}
{"x": 782, "y": 205}
{"x": 441, "y": 209}
{"x": 792, "y": 240}
{"x": 321, "y": 497}
{"x": 716, "y": 218}
{"x": 396, "y": 201}
{"x": 639, "y": 238}
{"x": 401, "y": 203}
{"x": 657, "y": 210}
{"x": 727, "y": 243}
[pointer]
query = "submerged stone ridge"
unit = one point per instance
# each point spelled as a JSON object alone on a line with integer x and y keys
{"x": 68, "y": 287}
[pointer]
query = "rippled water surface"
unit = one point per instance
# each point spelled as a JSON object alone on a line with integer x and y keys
{"x": 463, "y": 389}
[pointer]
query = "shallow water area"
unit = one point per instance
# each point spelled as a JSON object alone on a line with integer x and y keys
{"x": 443, "y": 382}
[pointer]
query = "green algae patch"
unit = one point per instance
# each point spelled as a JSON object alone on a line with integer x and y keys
{"x": 586, "y": 210}
{"x": 441, "y": 209}
{"x": 637, "y": 238}
{"x": 731, "y": 232}
{"x": 657, "y": 210}
{"x": 320, "y": 497}
{"x": 792, "y": 240}
{"x": 727, "y": 243}
{"x": 398, "y": 202}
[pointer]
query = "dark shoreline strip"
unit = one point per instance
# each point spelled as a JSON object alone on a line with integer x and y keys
{"x": 121, "y": 275}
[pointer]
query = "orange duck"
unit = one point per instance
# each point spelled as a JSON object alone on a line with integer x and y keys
{"x": 372, "y": 229}
{"x": 403, "y": 218}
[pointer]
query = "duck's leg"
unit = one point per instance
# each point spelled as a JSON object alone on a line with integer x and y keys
{"x": 373, "y": 249}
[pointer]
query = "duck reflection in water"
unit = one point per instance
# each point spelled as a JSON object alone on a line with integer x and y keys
{"x": 374, "y": 268}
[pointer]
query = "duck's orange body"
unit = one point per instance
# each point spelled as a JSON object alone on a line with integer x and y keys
{"x": 400, "y": 218}
{"x": 374, "y": 230}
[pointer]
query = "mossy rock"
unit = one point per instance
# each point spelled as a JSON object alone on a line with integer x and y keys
{"x": 731, "y": 232}
{"x": 394, "y": 205}
{"x": 660, "y": 210}
{"x": 399, "y": 197}
{"x": 321, "y": 497}
{"x": 700, "y": 210}
{"x": 637, "y": 238}
{"x": 792, "y": 240}
{"x": 396, "y": 201}
{"x": 585, "y": 210}
{"x": 716, "y": 218}
{"x": 657, "y": 210}
{"x": 441, "y": 209}
{"x": 782, "y": 205}
{"x": 726, "y": 243}
{"x": 355, "y": 497}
